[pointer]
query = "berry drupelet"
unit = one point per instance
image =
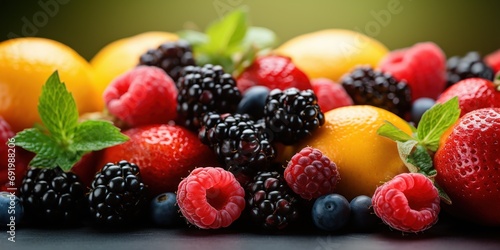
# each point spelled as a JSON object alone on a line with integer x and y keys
{"x": 292, "y": 114}
{"x": 469, "y": 66}
{"x": 205, "y": 89}
{"x": 367, "y": 86}
{"x": 270, "y": 202}
{"x": 117, "y": 194}
{"x": 52, "y": 196}
{"x": 240, "y": 144}
{"x": 170, "y": 56}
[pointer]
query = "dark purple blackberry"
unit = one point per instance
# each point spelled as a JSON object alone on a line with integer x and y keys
{"x": 117, "y": 195}
{"x": 471, "y": 65}
{"x": 240, "y": 144}
{"x": 372, "y": 87}
{"x": 292, "y": 114}
{"x": 52, "y": 196}
{"x": 270, "y": 202}
{"x": 172, "y": 57}
{"x": 202, "y": 90}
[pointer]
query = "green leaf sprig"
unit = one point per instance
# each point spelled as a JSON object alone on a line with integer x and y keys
{"x": 62, "y": 140}
{"x": 417, "y": 150}
{"x": 230, "y": 42}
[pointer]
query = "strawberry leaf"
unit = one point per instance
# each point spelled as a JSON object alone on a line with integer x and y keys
{"x": 436, "y": 121}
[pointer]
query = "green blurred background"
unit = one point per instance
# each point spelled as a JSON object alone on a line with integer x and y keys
{"x": 456, "y": 26}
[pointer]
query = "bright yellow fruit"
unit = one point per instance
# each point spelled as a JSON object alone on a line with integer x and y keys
{"x": 364, "y": 159}
{"x": 333, "y": 52}
{"x": 121, "y": 55}
{"x": 26, "y": 64}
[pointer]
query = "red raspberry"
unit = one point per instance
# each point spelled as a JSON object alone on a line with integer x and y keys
{"x": 330, "y": 94}
{"x": 274, "y": 72}
{"x": 311, "y": 174}
{"x": 493, "y": 60}
{"x": 210, "y": 198}
{"x": 141, "y": 96}
{"x": 20, "y": 158}
{"x": 422, "y": 66}
{"x": 409, "y": 202}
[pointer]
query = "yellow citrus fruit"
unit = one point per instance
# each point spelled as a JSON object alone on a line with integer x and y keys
{"x": 26, "y": 64}
{"x": 364, "y": 159}
{"x": 333, "y": 52}
{"x": 121, "y": 55}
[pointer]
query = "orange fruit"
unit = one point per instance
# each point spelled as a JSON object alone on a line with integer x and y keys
{"x": 364, "y": 159}
{"x": 121, "y": 55}
{"x": 331, "y": 53}
{"x": 26, "y": 64}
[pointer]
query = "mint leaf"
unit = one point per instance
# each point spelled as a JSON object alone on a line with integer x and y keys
{"x": 392, "y": 132}
{"x": 436, "y": 121}
{"x": 194, "y": 38}
{"x": 228, "y": 31}
{"x": 442, "y": 194}
{"x": 405, "y": 149}
{"x": 62, "y": 141}
{"x": 422, "y": 160}
{"x": 260, "y": 38}
{"x": 96, "y": 135}
{"x": 57, "y": 109}
{"x": 34, "y": 140}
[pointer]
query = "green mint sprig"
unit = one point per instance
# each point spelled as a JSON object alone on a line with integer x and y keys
{"x": 230, "y": 42}
{"x": 62, "y": 141}
{"x": 417, "y": 150}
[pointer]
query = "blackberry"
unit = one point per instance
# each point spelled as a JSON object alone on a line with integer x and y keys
{"x": 372, "y": 87}
{"x": 292, "y": 114}
{"x": 270, "y": 202}
{"x": 117, "y": 194}
{"x": 172, "y": 57}
{"x": 52, "y": 196}
{"x": 240, "y": 144}
{"x": 205, "y": 89}
{"x": 471, "y": 65}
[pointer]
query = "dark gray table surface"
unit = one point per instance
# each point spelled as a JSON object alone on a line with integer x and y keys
{"x": 444, "y": 235}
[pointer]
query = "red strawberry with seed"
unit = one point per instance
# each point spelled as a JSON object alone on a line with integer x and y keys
{"x": 468, "y": 166}
{"x": 143, "y": 95}
{"x": 493, "y": 60}
{"x": 409, "y": 202}
{"x": 273, "y": 72}
{"x": 211, "y": 198}
{"x": 330, "y": 94}
{"x": 422, "y": 66}
{"x": 473, "y": 93}
{"x": 164, "y": 153}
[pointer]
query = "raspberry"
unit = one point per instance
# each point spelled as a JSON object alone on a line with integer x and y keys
{"x": 422, "y": 66}
{"x": 210, "y": 198}
{"x": 274, "y": 72}
{"x": 493, "y": 60}
{"x": 311, "y": 174}
{"x": 409, "y": 202}
{"x": 143, "y": 95}
{"x": 330, "y": 94}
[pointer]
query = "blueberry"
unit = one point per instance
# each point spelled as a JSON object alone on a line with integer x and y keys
{"x": 163, "y": 210}
{"x": 10, "y": 206}
{"x": 253, "y": 102}
{"x": 331, "y": 212}
{"x": 419, "y": 107}
{"x": 362, "y": 216}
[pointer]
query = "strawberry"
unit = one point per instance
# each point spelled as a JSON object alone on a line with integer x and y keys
{"x": 87, "y": 167}
{"x": 493, "y": 60}
{"x": 473, "y": 93}
{"x": 330, "y": 94}
{"x": 273, "y": 72}
{"x": 164, "y": 153}
{"x": 422, "y": 66}
{"x": 468, "y": 166}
